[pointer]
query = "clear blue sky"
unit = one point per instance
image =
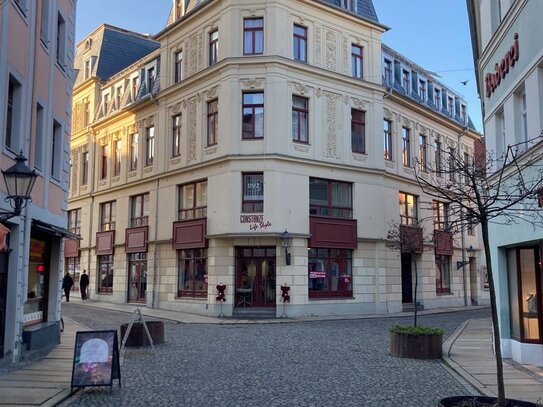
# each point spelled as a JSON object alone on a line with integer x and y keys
{"x": 433, "y": 34}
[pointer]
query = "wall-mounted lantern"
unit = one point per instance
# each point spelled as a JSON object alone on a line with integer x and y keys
{"x": 286, "y": 240}
{"x": 19, "y": 183}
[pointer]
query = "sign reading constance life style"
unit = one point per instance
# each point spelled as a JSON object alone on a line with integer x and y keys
{"x": 96, "y": 359}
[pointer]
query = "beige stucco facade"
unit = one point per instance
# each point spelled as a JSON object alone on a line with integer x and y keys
{"x": 326, "y": 82}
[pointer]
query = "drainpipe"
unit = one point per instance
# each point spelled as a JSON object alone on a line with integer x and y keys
{"x": 155, "y": 251}
{"x": 91, "y": 207}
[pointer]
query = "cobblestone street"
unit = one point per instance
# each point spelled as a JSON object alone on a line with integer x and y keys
{"x": 324, "y": 363}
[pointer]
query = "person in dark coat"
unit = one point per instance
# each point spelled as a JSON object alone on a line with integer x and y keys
{"x": 83, "y": 284}
{"x": 67, "y": 283}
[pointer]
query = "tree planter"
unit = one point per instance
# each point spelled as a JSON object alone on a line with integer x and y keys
{"x": 479, "y": 401}
{"x": 416, "y": 346}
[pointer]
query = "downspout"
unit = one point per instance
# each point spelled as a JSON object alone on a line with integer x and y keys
{"x": 91, "y": 210}
{"x": 155, "y": 251}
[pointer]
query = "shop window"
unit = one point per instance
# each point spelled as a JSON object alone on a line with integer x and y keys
{"x": 73, "y": 267}
{"x": 525, "y": 291}
{"x": 139, "y": 210}
{"x": 408, "y": 209}
{"x": 38, "y": 276}
{"x": 192, "y": 201}
{"x": 107, "y": 216}
{"x": 330, "y": 273}
{"x": 253, "y": 193}
{"x": 253, "y": 115}
{"x": 330, "y": 198}
{"x": 443, "y": 274}
{"x": 388, "y": 72}
{"x": 105, "y": 277}
{"x": 192, "y": 273}
{"x": 137, "y": 279}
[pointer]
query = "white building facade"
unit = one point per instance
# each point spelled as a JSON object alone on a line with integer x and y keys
{"x": 250, "y": 120}
{"x": 508, "y": 49}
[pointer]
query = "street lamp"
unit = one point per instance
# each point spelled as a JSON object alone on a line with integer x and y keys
{"x": 19, "y": 183}
{"x": 286, "y": 240}
{"x": 471, "y": 252}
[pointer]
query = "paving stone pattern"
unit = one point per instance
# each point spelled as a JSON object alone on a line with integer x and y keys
{"x": 322, "y": 363}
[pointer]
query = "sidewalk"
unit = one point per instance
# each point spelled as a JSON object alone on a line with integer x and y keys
{"x": 46, "y": 382}
{"x": 469, "y": 352}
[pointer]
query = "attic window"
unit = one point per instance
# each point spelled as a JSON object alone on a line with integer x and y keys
{"x": 88, "y": 44}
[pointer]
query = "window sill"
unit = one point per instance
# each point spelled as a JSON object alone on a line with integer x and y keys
{"x": 444, "y": 294}
{"x": 330, "y": 298}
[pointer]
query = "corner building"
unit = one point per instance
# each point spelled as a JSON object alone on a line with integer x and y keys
{"x": 508, "y": 53}
{"x": 243, "y": 121}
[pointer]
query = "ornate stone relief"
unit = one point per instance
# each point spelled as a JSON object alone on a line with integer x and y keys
{"x": 345, "y": 55}
{"x": 318, "y": 46}
{"x": 301, "y": 148}
{"x": 210, "y": 150}
{"x": 388, "y": 114}
{"x": 359, "y": 104}
{"x": 193, "y": 55}
{"x": 332, "y": 126}
{"x": 331, "y": 45}
{"x": 149, "y": 121}
{"x": 360, "y": 158}
{"x": 176, "y": 108}
{"x": 211, "y": 93}
{"x": 192, "y": 130}
{"x": 183, "y": 104}
{"x": 299, "y": 88}
{"x": 319, "y": 92}
{"x": 252, "y": 83}
{"x": 346, "y": 99}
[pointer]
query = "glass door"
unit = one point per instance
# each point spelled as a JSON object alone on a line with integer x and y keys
{"x": 137, "y": 278}
{"x": 255, "y": 277}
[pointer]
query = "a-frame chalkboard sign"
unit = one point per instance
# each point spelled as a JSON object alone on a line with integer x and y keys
{"x": 96, "y": 359}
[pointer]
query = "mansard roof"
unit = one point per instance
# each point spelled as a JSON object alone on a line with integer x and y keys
{"x": 364, "y": 8}
{"x": 112, "y": 49}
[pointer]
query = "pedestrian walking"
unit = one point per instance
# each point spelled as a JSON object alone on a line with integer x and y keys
{"x": 67, "y": 283}
{"x": 83, "y": 284}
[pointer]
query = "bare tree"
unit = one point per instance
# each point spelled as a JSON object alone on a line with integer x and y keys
{"x": 408, "y": 239}
{"x": 480, "y": 190}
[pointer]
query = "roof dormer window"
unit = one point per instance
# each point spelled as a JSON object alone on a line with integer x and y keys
{"x": 349, "y": 5}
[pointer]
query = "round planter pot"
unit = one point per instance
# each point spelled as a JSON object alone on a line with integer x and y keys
{"x": 416, "y": 346}
{"x": 480, "y": 401}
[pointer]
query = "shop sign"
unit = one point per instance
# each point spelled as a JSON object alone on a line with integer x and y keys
{"x": 493, "y": 79}
{"x": 37, "y": 248}
{"x": 255, "y": 221}
{"x": 317, "y": 274}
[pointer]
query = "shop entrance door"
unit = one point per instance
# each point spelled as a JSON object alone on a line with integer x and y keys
{"x": 137, "y": 277}
{"x": 3, "y": 293}
{"x": 407, "y": 279}
{"x": 255, "y": 277}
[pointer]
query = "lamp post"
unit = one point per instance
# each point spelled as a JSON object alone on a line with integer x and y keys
{"x": 19, "y": 183}
{"x": 286, "y": 240}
